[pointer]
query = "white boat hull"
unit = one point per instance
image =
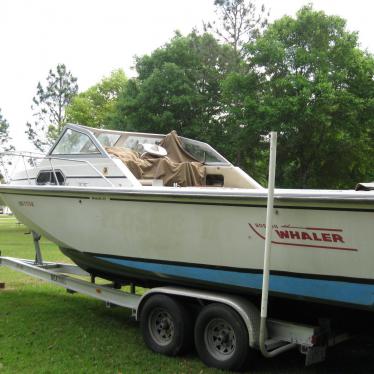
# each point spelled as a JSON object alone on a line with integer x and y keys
{"x": 322, "y": 250}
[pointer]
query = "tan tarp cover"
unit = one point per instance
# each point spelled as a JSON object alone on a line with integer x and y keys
{"x": 177, "y": 167}
{"x": 175, "y": 149}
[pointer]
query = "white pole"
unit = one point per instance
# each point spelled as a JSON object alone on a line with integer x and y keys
{"x": 269, "y": 224}
{"x": 267, "y": 253}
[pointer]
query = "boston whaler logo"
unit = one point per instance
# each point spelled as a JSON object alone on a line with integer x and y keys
{"x": 299, "y": 236}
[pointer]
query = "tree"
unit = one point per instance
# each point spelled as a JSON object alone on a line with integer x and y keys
{"x": 4, "y": 134}
{"x": 239, "y": 23}
{"x": 96, "y": 106}
{"x": 178, "y": 87}
{"x": 316, "y": 88}
{"x": 4, "y": 144}
{"x": 245, "y": 123}
{"x": 49, "y": 106}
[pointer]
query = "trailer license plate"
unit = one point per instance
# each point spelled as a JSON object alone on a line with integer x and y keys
{"x": 315, "y": 355}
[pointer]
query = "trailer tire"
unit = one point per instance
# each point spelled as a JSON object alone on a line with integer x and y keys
{"x": 166, "y": 325}
{"x": 221, "y": 338}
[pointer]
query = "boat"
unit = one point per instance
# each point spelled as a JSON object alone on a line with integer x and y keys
{"x": 151, "y": 209}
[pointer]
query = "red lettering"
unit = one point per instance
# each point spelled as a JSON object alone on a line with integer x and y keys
{"x": 294, "y": 235}
{"x": 282, "y": 234}
{"x": 326, "y": 237}
{"x": 315, "y": 237}
{"x": 337, "y": 238}
{"x": 305, "y": 236}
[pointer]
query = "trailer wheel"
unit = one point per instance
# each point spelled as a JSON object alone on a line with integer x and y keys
{"x": 221, "y": 338}
{"x": 166, "y": 325}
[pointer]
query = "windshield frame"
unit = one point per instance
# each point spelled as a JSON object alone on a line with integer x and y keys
{"x": 101, "y": 151}
{"x": 207, "y": 147}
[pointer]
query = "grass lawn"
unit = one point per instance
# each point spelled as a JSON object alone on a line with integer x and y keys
{"x": 43, "y": 329}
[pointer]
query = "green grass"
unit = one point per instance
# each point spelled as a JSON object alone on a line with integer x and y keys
{"x": 45, "y": 330}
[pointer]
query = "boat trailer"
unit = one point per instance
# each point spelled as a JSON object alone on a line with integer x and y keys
{"x": 310, "y": 340}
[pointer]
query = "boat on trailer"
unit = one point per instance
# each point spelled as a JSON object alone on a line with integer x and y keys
{"x": 162, "y": 209}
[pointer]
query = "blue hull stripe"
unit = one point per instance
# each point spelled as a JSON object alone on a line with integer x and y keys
{"x": 329, "y": 290}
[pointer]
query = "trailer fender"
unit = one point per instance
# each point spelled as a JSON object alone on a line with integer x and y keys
{"x": 246, "y": 309}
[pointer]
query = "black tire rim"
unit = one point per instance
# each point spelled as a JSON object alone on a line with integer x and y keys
{"x": 161, "y": 326}
{"x": 220, "y": 339}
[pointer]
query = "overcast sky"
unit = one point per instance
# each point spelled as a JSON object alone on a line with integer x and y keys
{"x": 94, "y": 37}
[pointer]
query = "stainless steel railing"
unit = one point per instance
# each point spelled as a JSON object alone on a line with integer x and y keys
{"x": 30, "y": 158}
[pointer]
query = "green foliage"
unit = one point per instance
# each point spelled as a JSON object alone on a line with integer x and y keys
{"x": 178, "y": 87}
{"x": 4, "y": 134}
{"x": 315, "y": 87}
{"x": 4, "y": 145}
{"x": 49, "y": 107}
{"x": 245, "y": 123}
{"x": 96, "y": 106}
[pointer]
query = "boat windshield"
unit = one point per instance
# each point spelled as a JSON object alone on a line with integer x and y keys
{"x": 108, "y": 139}
{"x": 73, "y": 143}
{"x": 202, "y": 152}
{"x": 135, "y": 142}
